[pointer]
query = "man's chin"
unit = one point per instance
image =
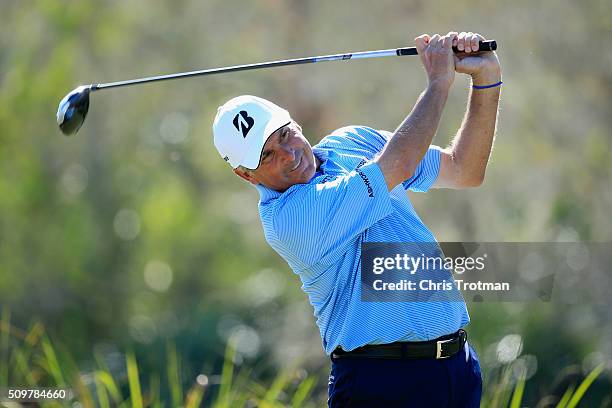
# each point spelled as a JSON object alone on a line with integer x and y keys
{"x": 309, "y": 171}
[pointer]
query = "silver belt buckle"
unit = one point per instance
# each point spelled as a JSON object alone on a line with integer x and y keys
{"x": 439, "y": 348}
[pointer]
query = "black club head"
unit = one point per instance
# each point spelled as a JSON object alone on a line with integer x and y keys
{"x": 73, "y": 109}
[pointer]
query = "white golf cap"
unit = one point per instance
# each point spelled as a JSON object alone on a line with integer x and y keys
{"x": 242, "y": 126}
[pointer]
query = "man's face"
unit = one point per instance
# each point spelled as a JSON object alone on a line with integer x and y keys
{"x": 286, "y": 159}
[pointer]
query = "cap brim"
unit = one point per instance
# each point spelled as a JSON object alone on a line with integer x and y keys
{"x": 253, "y": 155}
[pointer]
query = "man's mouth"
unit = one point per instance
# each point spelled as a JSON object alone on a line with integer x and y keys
{"x": 296, "y": 166}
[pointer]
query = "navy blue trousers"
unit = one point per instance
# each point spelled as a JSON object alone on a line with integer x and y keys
{"x": 452, "y": 382}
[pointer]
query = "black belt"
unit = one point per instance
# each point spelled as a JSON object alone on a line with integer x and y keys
{"x": 442, "y": 347}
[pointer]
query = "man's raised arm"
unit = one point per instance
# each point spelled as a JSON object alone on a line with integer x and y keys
{"x": 463, "y": 164}
{"x": 412, "y": 138}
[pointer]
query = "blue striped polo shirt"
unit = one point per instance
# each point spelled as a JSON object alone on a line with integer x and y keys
{"x": 318, "y": 228}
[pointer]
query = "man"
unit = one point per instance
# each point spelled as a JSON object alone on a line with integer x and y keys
{"x": 319, "y": 204}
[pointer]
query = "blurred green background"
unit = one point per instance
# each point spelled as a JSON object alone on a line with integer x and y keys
{"x": 135, "y": 233}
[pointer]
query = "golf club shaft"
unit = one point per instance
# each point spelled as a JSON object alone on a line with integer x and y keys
{"x": 483, "y": 46}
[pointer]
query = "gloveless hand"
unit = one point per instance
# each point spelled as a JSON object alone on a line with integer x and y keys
{"x": 437, "y": 58}
{"x": 482, "y": 66}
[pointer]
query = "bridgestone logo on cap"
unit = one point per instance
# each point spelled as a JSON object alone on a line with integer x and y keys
{"x": 243, "y": 123}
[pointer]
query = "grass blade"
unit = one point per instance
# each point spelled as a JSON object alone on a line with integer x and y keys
{"x": 256, "y": 389}
{"x": 500, "y": 391}
{"x": 277, "y": 387}
{"x": 153, "y": 395}
{"x": 83, "y": 392}
{"x": 22, "y": 364}
{"x": 302, "y": 392}
{"x": 34, "y": 334}
{"x": 101, "y": 392}
{"x": 194, "y": 396}
{"x": 108, "y": 381}
{"x": 226, "y": 376}
{"x": 5, "y": 322}
{"x": 517, "y": 395}
{"x": 134, "y": 382}
{"x": 22, "y": 356}
{"x": 52, "y": 362}
{"x": 174, "y": 380}
{"x": 584, "y": 386}
{"x": 566, "y": 396}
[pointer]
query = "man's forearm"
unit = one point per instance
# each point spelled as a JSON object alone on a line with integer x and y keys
{"x": 472, "y": 145}
{"x": 412, "y": 138}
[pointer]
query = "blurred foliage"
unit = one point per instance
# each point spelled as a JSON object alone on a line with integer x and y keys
{"x": 135, "y": 233}
{"x": 38, "y": 365}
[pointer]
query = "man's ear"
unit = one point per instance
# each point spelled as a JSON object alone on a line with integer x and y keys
{"x": 246, "y": 175}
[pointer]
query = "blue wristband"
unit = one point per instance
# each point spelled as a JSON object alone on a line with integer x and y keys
{"x": 487, "y": 86}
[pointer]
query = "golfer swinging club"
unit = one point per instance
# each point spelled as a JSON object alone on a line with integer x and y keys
{"x": 319, "y": 204}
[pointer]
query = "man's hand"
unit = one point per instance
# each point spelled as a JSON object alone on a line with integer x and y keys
{"x": 483, "y": 67}
{"x": 437, "y": 57}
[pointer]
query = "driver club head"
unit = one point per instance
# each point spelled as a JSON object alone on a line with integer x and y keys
{"x": 73, "y": 109}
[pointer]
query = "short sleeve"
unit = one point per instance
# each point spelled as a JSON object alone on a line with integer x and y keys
{"x": 317, "y": 221}
{"x": 426, "y": 172}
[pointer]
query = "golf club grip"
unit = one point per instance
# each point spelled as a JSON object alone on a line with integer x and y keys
{"x": 490, "y": 45}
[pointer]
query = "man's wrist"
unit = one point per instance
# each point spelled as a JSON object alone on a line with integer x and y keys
{"x": 439, "y": 86}
{"x": 487, "y": 78}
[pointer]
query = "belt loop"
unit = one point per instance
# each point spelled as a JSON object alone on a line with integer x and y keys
{"x": 403, "y": 351}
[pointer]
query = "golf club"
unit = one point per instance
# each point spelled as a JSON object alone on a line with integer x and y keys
{"x": 73, "y": 108}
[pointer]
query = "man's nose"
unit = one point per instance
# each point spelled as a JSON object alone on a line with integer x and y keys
{"x": 287, "y": 153}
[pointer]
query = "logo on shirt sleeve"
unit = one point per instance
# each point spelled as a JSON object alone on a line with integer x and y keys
{"x": 366, "y": 180}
